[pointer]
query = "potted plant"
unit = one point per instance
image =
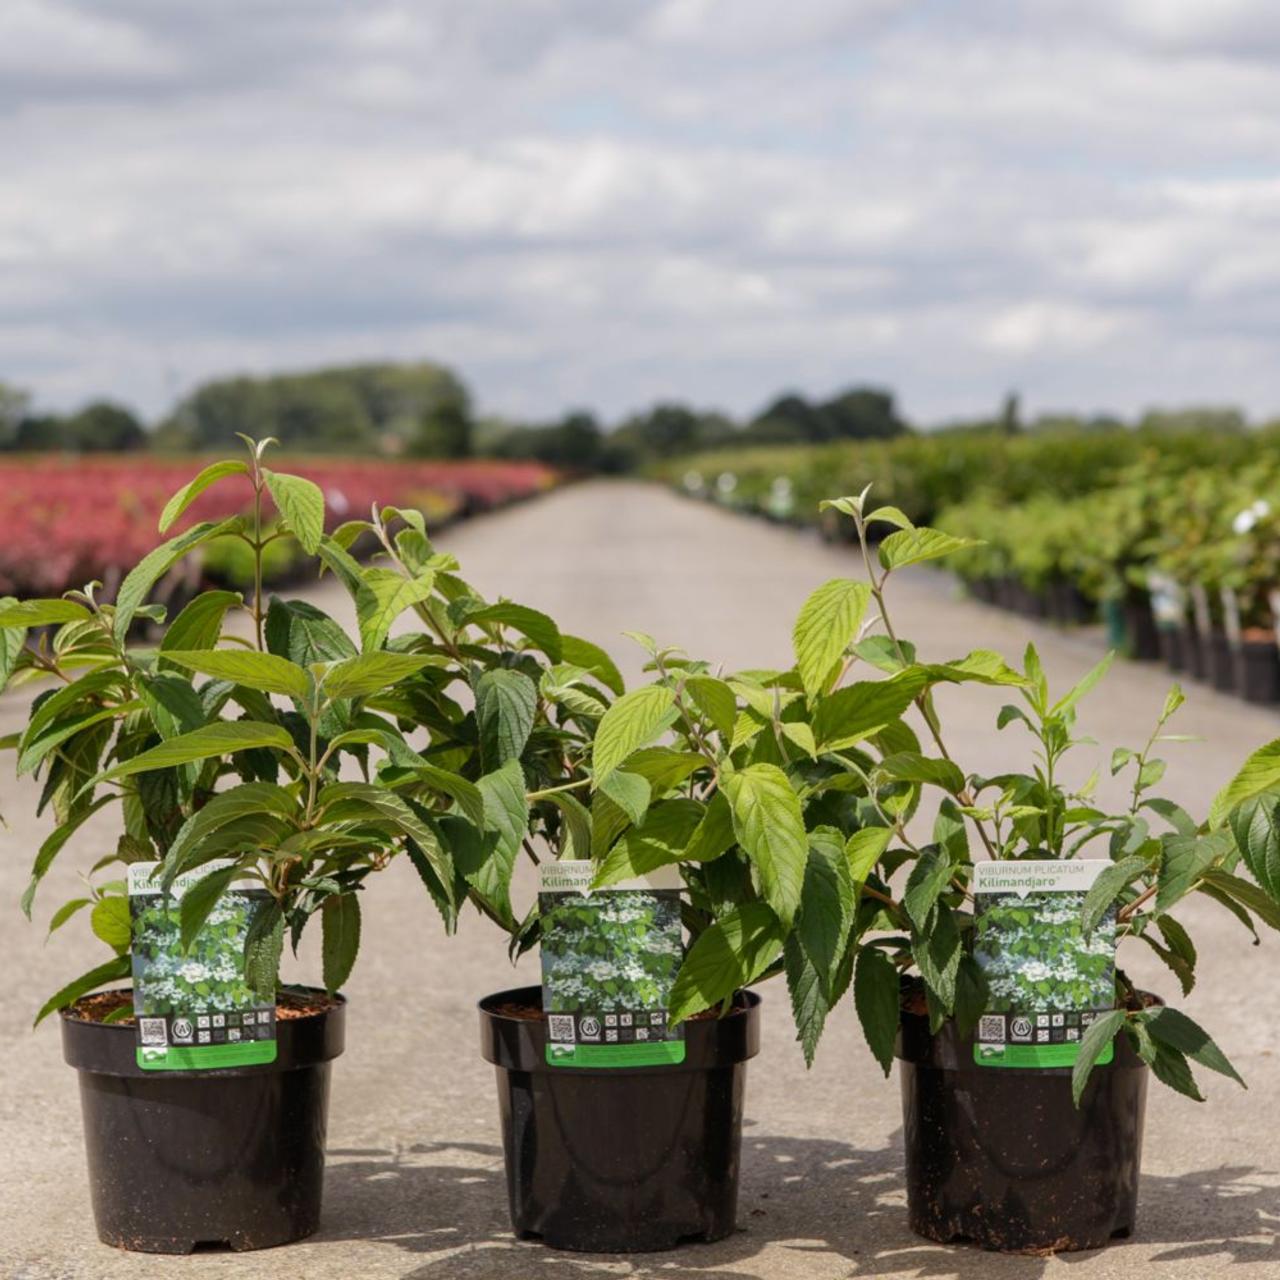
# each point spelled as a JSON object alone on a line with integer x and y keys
{"x": 1250, "y": 580}
{"x": 731, "y": 812}
{"x": 205, "y": 1090}
{"x": 1024, "y": 1048}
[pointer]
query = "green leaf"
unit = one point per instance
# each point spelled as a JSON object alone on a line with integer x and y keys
{"x": 1092, "y": 1044}
{"x": 506, "y": 814}
{"x": 1169, "y": 1065}
{"x": 52, "y": 846}
{"x": 199, "y": 899}
{"x": 864, "y": 849}
{"x": 938, "y": 956}
{"x": 889, "y": 515}
{"x": 877, "y": 1001}
{"x": 827, "y": 624}
{"x": 263, "y": 947}
{"x": 372, "y": 673}
{"x": 913, "y": 546}
{"x": 582, "y": 653}
{"x": 575, "y": 838}
{"x": 907, "y": 766}
{"x": 382, "y": 595}
{"x": 194, "y": 488}
{"x": 66, "y": 911}
{"x": 12, "y": 642}
{"x": 1175, "y": 1029}
{"x": 630, "y": 792}
{"x": 659, "y": 841}
{"x": 861, "y": 710}
{"x": 729, "y": 954}
{"x": 304, "y": 634}
{"x": 155, "y": 564}
{"x": 769, "y": 823}
{"x": 715, "y": 699}
{"x": 301, "y": 503}
{"x": 1104, "y": 891}
{"x": 1260, "y": 772}
{"x": 110, "y": 922}
{"x": 1247, "y": 895}
{"x": 1184, "y": 861}
{"x": 506, "y": 704}
{"x": 929, "y": 877}
{"x": 340, "y": 938}
{"x": 1083, "y": 686}
{"x": 250, "y": 800}
{"x": 714, "y": 835}
{"x": 632, "y": 722}
{"x": 115, "y": 968}
{"x": 982, "y": 666}
{"x": 264, "y": 671}
{"x": 199, "y": 625}
{"x": 537, "y": 627}
{"x": 41, "y": 613}
{"x": 1255, "y": 823}
{"x": 826, "y": 905}
{"x": 218, "y": 739}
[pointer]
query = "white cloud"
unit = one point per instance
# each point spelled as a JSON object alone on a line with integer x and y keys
{"x": 598, "y": 202}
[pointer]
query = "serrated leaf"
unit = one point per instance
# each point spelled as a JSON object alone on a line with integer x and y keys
{"x": 301, "y": 502}
{"x": 115, "y": 968}
{"x": 369, "y": 673}
{"x": 382, "y": 595}
{"x": 1260, "y": 772}
{"x": 659, "y": 841}
{"x": 263, "y": 671}
{"x": 929, "y": 877}
{"x": 860, "y": 710}
{"x": 41, "y": 613}
{"x": 1184, "y": 860}
{"x": 913, "y": 546}
{"x": 1255, "y": 823}
{"x": 729, "y": 954}
{"x": 827, "y": 624}
{"x": 826, "y": 905}
{"x": 535, "y": 626}
{"x": 630, "y": 792}
{"x": 1108, "y": 886}
{"x": 249, "y": 800}
{"x": 1171, "y": 1027}
{"x": 199, "y": 624}
{"x": 582, "y": 653}
{"x": 714, "y": 835}
{"x": 67, "y": 911}
{"x": 877, "y": 1001}
{"x": 1100, "y": 1034}
{"x": 217, "y": 739}
{"x": 153, "y": 566}
{"x": 864, "y": 849}
{"x": 340, "y": 938}
{"x": 110, "y": 922}
{"x": 907, "y": 766}
{"x": 506, "y": 704}
{"x": 194, "y": 488}
{"x": 769, "y": 824}
{"x": 304, "y": 634}
{"x": 632, "y": 722}
{"x": 715, "y": 699}
{"x": 263, "y": 946}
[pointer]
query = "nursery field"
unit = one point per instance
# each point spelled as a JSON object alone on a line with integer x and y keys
{"x": 415, "y": 1187}
{"x": 1170, "y": 537}
{"x": 65, "y": 521}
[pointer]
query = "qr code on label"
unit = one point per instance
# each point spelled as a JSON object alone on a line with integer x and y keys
{"x": 153, "y": 1031}
{"x": 561, "y": 1026}
{"x": 991, "y": 1028}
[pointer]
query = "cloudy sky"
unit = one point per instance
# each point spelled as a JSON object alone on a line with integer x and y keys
{"x": 605, "y": 202}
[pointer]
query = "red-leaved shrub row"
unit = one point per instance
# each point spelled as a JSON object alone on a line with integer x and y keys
{"x": 66, "y": 521}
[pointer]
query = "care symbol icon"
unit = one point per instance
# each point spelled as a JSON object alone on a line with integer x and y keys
{"x": 182, "y": 1029}
{"x": 1021, "y": 1028}
{"x": 589, "y": 1028}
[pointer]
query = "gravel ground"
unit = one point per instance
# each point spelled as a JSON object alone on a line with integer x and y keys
{"x": 414, "y": 1188}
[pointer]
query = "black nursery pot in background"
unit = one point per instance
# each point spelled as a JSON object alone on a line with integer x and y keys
{"x": 180, "y": 1159}
{"x": 620, "y": 1160}
{"x": 1172, "y": 642}
{"x": 1194, "y": 652}
{"x": 1222, "y": 662}
{"x": 1258, "y": 671}
{"x": 1001, "y": 1158}
{"x": 1144, "y": 643}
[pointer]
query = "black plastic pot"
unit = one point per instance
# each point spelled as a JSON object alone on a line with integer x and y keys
{"x": 1172, "y": 641}
{"x": 1221, "y": 662}
{"x": 1140, "y": 627}
{"x": 1068, "y": 605}
{"x": 1000, "y": 1157}
{"x": 1258, "y": 671}
{"x": 1194, "y": 652}
{"x": 181, "y": 1159}
{"x": 620, "y": 1160}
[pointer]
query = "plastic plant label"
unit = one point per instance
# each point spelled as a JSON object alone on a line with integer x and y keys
{"x": 609, "y": 959}
{"x": 193, "y": 1009}
{"x": 1048, "y": 979}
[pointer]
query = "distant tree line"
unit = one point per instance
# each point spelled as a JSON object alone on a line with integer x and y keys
{"x": 423, "y": 409}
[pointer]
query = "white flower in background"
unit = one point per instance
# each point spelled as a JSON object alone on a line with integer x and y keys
{"x": 338, "y": 502}
{"x": 726, "y": 482}
{"x": 782, "y": 487}
{"x": 1261, "y": 508}
{"x": 693, "y": 481}
{"x": 193, "y": 972}
{"x": 1244, "y": 521}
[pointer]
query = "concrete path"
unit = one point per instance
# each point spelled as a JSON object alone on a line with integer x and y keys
{"x": 414, "y": 1188}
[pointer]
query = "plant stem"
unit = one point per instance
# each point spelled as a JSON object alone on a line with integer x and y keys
{"x": 552, "y": 791}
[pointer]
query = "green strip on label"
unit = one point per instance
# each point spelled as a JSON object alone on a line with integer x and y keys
{"x": 656, "y": 1053}
{"x": 245, "y": 1053}
{"x": 1034, "y": 1055}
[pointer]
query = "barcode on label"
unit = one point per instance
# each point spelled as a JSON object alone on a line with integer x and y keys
{"x": 991, "y": 1028}
{"x": 561, "y": 1026}
{"x": 153, "y": 1031}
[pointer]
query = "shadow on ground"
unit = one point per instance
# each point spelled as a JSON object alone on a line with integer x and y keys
{"x": 842, "y": 1208}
